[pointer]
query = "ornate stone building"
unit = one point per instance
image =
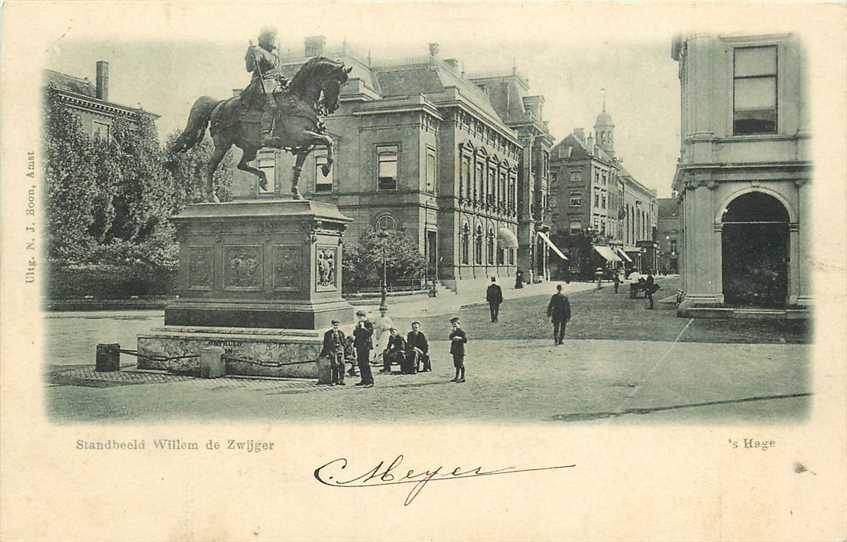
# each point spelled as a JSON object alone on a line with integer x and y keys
{"x": 603, "y": 217}
{"x": 422, "y": 147}
{"x": 744, "y": 171}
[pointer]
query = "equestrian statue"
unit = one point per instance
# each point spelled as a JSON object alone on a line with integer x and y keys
{"x": 271, "y": 112}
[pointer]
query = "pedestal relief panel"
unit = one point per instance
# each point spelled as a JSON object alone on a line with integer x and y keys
{"x": 287, "y": 268}
{"x": 326, "y": 267}
{"x": 242, "y": 267}
{"x": 200, "y": 268}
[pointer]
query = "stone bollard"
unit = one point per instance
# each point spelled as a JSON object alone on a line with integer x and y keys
{"x": 108, "y": 358}
{"x": 324, "y": 370}
{"x": 212, "y": 364}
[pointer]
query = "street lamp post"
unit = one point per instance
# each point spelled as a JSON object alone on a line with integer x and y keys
{"x": 383, "y": 301}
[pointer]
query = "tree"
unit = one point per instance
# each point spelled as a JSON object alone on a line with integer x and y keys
{"x": 71, "y": 177}
{"x": 190, "y": 168}
{"x": 362, "y": 263}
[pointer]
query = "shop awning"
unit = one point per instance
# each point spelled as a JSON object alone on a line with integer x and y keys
{"x": 623, "y": 255}
{"x": 552, "y": 246}
{"x": 606, "y": 253}
{"x": 506, "y": 239}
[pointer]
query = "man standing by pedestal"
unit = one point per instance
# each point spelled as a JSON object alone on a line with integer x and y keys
{"x": 363, "y": 340}
{"x": 494, "y": 296}
{"x": 334, "y": 348}
{"x": 559, "y": 311}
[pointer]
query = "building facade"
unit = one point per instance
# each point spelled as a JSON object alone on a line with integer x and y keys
{"x": 602, "y": 216}
{"x": 423, "y": 148}
{"x": 668, "y": 236}
{"x": 744, "y": 170}
{"x": 90, "y": 102}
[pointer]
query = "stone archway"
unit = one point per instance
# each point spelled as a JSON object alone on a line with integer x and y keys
{"x": 754, "y": 250}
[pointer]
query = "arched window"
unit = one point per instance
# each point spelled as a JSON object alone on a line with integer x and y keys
{"x": 477, "y": 256}
{"x": 490, "y": 247}
{"x": 386, "y": 222}
{"x": 466, "y": 241}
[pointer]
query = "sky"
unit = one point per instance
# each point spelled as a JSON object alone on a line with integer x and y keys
{"x": 640, "y": 79}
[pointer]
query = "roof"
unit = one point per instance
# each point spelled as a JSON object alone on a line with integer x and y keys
{"x": 668, "y": 208}
{"x": 432, "y": 78}
{"x": 604, "y": 119}
{"x": 580, "y": 150}
{"x": 69, "y": 83}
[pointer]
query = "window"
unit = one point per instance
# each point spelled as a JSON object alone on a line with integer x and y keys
{"x": 478, "y": 195}
{"x": 754, "y": 90}
{"x": 466, "y": 234}
{"x": 501, "y": 256}
{"x": 596, "y": 200}
{"x": 575, "y": 226}
{"x": 386, "y": 222}
{"x": 596, "y": 177}
{"x": 465, "y": 188}
{"x": 576, "y": 176}
{"x": 501, "y": 196}
{"x": 673, "y": 246}
{"x": 477, "y": 257}
{"x": 266, "y": 162}
{"x": 322, "y": 184}
{"x": 101, "y": 131}
{"x": 387, "y": 167}
{"x": 430, "y": 170}
{"x": 576, "y": 199}
{"x": 490, "y": 248}
{"x": 596, "y": 222}
{"x": 604, "y": 201}
{"x": 492, "y": 183}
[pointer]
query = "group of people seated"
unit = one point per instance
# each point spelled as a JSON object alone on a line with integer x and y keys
{"x": 411, "y": 353}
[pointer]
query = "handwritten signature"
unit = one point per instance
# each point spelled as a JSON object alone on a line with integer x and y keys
{"x": 332, "y": 474}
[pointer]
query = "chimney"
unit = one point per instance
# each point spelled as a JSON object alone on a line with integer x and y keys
{"x": 433, "y": 50}
{"x": 453, "y": 63}
{"x": 314, "y": 45}
{"x": 102, "y": 88}
{"x": 579, "y": 133}
{"x": 535, "y": 105}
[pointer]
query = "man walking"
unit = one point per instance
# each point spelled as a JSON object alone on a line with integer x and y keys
{"x": 650, "y": 287}
{"x": 559, "y": 311}
{"x": 363, "y": 340}
{"x": 494, "y": 296}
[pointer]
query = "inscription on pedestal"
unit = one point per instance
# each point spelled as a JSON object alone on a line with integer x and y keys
{"x": 288, "y": 268}
{"x": 200, "y": 268}
{"x": 327, "y": 268}
{"x": 242, "y": 267}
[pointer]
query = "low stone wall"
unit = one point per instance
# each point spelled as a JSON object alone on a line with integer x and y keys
{"x": 248, "y": 352}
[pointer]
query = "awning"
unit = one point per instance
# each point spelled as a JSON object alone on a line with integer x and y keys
{"x": 551, "y": 245}
{"x": 623, "y": 255}
{"x": 506, "y": 239}
{"x": 606, "y": 253}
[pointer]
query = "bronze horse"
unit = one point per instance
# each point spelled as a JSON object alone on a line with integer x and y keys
{"x": 312, "y": 93}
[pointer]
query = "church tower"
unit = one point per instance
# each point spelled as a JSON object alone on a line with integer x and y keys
{"x": 604, "y": 129}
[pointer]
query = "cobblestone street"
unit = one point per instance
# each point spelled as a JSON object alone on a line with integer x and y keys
{"x": 703, "y": 370}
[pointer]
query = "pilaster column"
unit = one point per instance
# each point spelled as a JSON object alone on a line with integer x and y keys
{"x": 801, "y": 257}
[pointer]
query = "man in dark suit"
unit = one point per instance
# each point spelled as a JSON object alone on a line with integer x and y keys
{"x": 334, "y": 342}
{"x": 494, "y": 296}
{"x": 417, "y": 349}
{"x": 363, "y": 341}
{"x": 559, "y": 311}
{"x": 395, "y": 352}
{"x": 650, "y": 287}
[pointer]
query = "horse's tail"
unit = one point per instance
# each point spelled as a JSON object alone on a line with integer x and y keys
{"x": 198, "y": 121}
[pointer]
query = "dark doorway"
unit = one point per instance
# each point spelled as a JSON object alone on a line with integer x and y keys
{"x": 755, "y": 251}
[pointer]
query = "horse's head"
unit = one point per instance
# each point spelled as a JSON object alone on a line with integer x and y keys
{"x": 321, "y": 79}
{"x": 331, "y": 87}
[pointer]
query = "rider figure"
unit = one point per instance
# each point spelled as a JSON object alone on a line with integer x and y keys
{"x": 263, "y": 63}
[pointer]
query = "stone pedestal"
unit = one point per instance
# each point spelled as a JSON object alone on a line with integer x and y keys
{"x": 260, "y": 264}
{"x": 260, "y": 279}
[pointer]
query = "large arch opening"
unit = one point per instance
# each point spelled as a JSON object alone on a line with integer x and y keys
{"x": 755, "y": 251}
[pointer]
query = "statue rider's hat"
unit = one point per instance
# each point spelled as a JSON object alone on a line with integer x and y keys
{"x": 267, "y": 37}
